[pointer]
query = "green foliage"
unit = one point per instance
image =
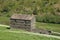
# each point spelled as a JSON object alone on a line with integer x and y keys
{"x": 35, "y": 11}
{"x": 48, "y": 18}
{"x": 37, "y": 7}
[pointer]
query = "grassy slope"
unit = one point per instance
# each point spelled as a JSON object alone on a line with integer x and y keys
{"x": 19, "y": 36}
{"x": 43, "y": 7}
{"x": 48, "y": 26}
{"x": 11, "y": 6}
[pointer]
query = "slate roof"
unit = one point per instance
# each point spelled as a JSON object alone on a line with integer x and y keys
{"x": 22, "y": 16}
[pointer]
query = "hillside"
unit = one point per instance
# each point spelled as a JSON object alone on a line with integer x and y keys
{"x": 46, "y": 10}
{"x": 47, "y": 17}
{"x": 7, "y": 34}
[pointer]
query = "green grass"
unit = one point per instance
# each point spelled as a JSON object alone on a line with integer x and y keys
{"x": 4, "y": 20}
{"x": 20, "y": 36}
{"x": 5, "y": 35}
{"x": 49, "y": 26}
{"x": 5, "y": 29}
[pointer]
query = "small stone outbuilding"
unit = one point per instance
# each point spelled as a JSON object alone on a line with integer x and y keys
{"x": 26, "y": 22}
{"x": 22, "y": 21}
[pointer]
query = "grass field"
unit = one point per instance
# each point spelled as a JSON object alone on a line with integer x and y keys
{"x": 49, "y": 26}
{"x": 20, "y": 36}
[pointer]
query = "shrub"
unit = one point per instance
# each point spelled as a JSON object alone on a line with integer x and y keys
{"x": 48, "y": 19}
{"x": 8, "y": 27}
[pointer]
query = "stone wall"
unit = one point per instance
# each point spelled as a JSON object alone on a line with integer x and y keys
{"x": 21, "y": 24}
{"x": 42, "y": 31}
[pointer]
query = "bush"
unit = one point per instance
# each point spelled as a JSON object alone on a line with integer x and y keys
{"x": 9, "y": 7}
{"x": 8, "y": 27}
{"x": 48, "y": 19}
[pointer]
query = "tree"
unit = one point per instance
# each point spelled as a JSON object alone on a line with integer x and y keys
{"x": 35, "y": 11}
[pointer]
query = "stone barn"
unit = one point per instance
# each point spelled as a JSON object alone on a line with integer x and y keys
{"x": 22, "y": 21}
